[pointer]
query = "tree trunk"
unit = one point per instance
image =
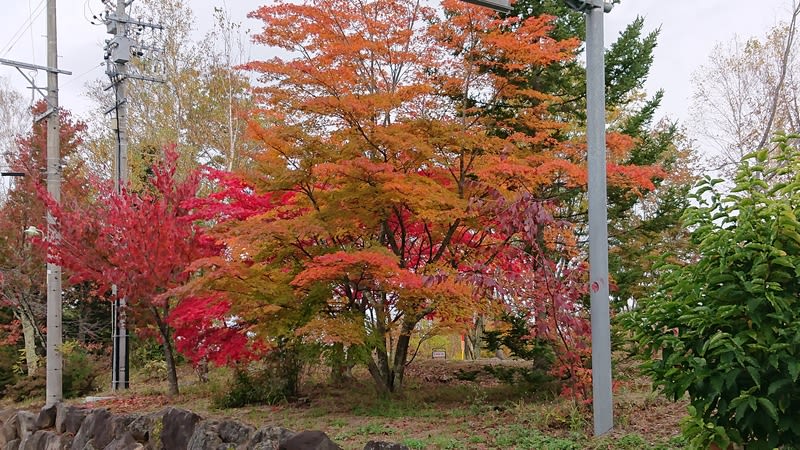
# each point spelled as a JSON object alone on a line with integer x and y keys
{"x": 29, "y": 336}
{"x": 169, "y": 353}
{"x": 400, "y": 356}
{"x": 379, "y": 364}
{"x": 474, "y": 340}
{"x": 201, "y": 369}
{"x": 169, "y": 356}
{"x": 388, "y": 376}
{"x": 341, "y": 365}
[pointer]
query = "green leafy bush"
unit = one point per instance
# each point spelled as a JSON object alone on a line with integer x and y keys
{"x": 8, "y": 358}
{"x": 251, "y": 387}
{"x": 81, "y": 369}
{"x": 274, "y": 379}
{"x": 726, "y": 322}
{"x": 78, "y": 377}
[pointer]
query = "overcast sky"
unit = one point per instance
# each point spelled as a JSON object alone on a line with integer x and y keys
{"x": 689, "y": 31}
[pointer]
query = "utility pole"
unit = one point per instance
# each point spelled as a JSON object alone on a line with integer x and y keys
{"x": 54, "y": 362}
{"x": 602, "y": 401}
{"x": 119, "y": 51}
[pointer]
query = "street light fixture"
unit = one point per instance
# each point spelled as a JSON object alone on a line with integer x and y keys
{"x": 602, "y": 402}
{"x": 586, "y": 5}
{"x": 503, "y": 6}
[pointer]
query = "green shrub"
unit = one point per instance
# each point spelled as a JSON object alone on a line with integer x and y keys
{"x": 8, "y": 358}
{"x": 517, "y": 338}
{"x": 274, "y": 379}
{"x": 28, "y": 387}
{"x": 727, "y": 321}
{"x": 251, "y": 387}
{"x": 81, "y": 369}
{"x": 78, "y": 377}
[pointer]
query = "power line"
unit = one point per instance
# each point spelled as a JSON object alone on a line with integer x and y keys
{"x": 33, "y": 47}
{"x": 80, "y": 76}
{"x": 24, "y": 27}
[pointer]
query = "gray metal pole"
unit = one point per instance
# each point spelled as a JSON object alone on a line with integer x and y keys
{"x": 120, "y": 358}
{"x": 53, "y": 384}
{"x": 598, "y": 224}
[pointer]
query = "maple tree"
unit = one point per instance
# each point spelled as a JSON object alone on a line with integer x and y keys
{"x": 382, "y": 195}
{"x": 142, "y": 242}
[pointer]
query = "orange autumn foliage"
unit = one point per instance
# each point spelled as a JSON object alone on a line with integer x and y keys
{"x": 400, "y": 200}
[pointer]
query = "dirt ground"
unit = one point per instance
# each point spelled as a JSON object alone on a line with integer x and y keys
{"x": 445, "y": 405}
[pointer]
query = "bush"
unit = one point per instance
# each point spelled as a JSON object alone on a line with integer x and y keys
{"x": 81, "y": 369}
{"x": 8, "y": 358}
{"x": 272, "y": 380}
{"x": 517, "y": 338}
{"x": 727, "y": 322}
{"x": 251, "y": 386}
{"x": 78, "y": 377}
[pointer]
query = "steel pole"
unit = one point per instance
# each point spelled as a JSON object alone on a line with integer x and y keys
{"x": 53, "y": 383}
{"x": 598, "y": 223}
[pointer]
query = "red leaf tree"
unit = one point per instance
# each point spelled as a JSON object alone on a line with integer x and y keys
{"x": 142, "y": 242}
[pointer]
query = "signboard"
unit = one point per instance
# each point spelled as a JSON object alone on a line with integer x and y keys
{"x": 439, "y": 353}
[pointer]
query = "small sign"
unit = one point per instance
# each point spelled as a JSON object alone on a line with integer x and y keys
{"x": 439, "y": 353}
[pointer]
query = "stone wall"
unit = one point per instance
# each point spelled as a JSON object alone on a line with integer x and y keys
{"x": 62, "y": 427}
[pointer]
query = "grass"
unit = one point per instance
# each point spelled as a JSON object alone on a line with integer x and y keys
{"x": 437, "y": 410}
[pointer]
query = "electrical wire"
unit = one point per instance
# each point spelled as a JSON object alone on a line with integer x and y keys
{"x": 37, "y": 11}
{"x": 33, "y": 46}
{"x": 75, "y": 78}
{"x": 87, "y": 5}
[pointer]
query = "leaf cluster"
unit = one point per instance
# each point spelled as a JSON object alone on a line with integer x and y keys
{"x": 726, "y": 322}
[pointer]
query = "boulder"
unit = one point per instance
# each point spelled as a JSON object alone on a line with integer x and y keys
{"x": 309, "y": 440}
{"x": 45, "y": 440}
{"x": 6, "y": 414}
{"x": 61, "y": 416}
{"x": 148, "y": 427}
{"x": 73, "y": 419}
{"x": 269, "y": 438}
{"x": 58, "y": 441}
{"x": 34, "y": 441}
{"x": 9, "y": 430}
{"x": 121, "y": 424}
{"x": 90, "y": 446}
{"x": 96, "y": 430}
{"x": 178, "y": 428}
{"x": 233, "y": 432}
{"x": 380, "y": 445}
{"x": 47, "y": 417}
{"x": 205, "y": 436}
{"x": 124, "y": 442}
{"x": 26, "y": 424}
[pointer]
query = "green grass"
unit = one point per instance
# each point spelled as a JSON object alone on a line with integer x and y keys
{"x": 414, "y": 444}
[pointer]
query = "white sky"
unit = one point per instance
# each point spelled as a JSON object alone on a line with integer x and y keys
{"x": 689, "y": 31}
